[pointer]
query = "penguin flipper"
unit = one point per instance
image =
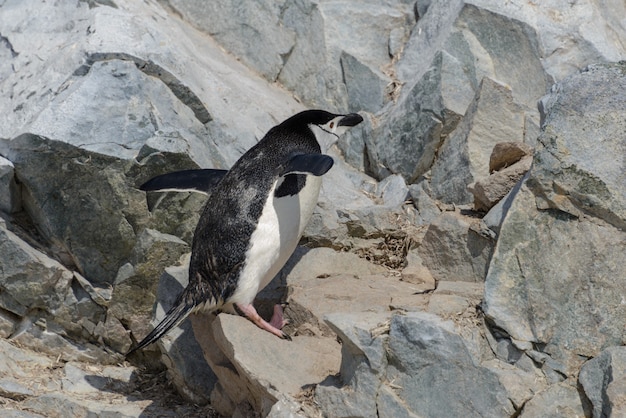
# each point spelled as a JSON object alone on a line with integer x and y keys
{"x": 200, "y": 180}
{"x": 312, "y": 164}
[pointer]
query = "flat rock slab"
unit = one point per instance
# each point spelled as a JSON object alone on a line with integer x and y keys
{"x": 285, "y": 366}
{"x": 313, "y": 298}
{"x": 256, "y": 369}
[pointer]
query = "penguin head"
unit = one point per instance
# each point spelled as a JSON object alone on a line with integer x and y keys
{"x": 327, "y": 127}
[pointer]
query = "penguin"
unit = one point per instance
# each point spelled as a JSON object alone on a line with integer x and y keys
{"x": 253, "y": 219}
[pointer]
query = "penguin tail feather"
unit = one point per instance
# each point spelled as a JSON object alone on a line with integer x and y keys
{"x": 174, "y": 316}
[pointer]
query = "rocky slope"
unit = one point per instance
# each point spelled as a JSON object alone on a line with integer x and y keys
{"x": 466, "y": 255}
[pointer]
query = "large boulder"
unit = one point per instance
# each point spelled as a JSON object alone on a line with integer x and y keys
{"x": 551, "y": 283}
{"x": 408, "y": 365}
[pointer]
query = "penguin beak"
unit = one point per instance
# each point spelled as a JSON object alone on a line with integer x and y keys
{"x": 352, "y": 119}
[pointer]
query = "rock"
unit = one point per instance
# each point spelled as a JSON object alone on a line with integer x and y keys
{"x": 321, "y": 31}
{"x": 572, "y": 207}
{"x": 366, "y": 87}
{"x": 117, "y": 92}
{"x": 407, "y": 138}
{"x": 571, "y": 174}
{"x": 560, "y": 400}
{"x": 52, "y": 202}
{"x": 490, "y": 190}
{"x": 447, "y": 56}
{"x": 39, "y": 386}
{"x": 312, "y": 298}
{"x": 426, "y": 206}
{"x": 496, "y": 215}
{"x": 603, "y": 379}
{"x": 50, "y": 306}
{"x": 13, "y": 390}
{"x": 393, "y": 191}
{"x": 136, "y": 286}
{"x": 505, "y": 154}
{"x": 492, "y": 117}
{"x": 10, "y": 199}
{"x": 322, "y": 262}
{"x": 255, "y": 34}
{"x": 571, "y": 37}
{"x": 416, "y": 273}
{"x": 363, "y": 363}
{"x": 452, "y": 251}
{"x": 508, "y": 163}
{"x": 455, "y": 300}
{"x": 387, "y": 369}
{"x": 521, "y": 385}
{"x": 254, "y": 378}
{"x": 304, "y": 40}
{"x": 352, "y": 143}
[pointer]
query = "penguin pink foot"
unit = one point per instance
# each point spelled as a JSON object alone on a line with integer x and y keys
{"x": 278, "y": 320}
{"x": 251, "y": 313}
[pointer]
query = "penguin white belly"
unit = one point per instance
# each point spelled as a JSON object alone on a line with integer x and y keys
{"x": 278, "y": 231}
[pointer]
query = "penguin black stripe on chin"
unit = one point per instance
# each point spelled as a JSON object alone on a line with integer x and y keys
{"x": 254, "y": 217}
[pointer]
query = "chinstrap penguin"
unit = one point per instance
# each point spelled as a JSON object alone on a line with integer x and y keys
{"x": 253, "y": 219}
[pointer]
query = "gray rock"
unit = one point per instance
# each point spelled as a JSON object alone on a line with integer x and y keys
{"x": 496, "y": 215}
{"x": 10, "y": 199}
{"x": 363, "y": 363}
{"x": 253, "y": 33}
{"x": 352, "y": 143}
{"x": 29, "y": 278}
{"x": 366, "y": 87}
{"x": 64, "y": 210}
{"x": 393, "y": 191}
{"x": 422, "y": 350}
{"x": 589, "y": 181}
{"x": 571, "y": 37}
{"x": 538, "y": 231}
{"x": 51, "y": 404}
{"x": 443, "y": 63}
{"x": 492, "y": 117}
{"x": 560, "y": 400}
{"x": 406, "y": 140}
{"x": 415, "y": 272}
{"x": 13, "y": 390}
{"x": 453, "y": 251}
{"x": 399, "y": 368}
{"x": 253, "y": 377}
{"x": 427, "y": 207}
{"x": 312, "y": 298}
{"x": 323, "y": 30}
{"x": 136, "y": 285}
{"x": 521, "y": 385}
{"x": 47, "y": 302}
{"x": 603, "y": 379}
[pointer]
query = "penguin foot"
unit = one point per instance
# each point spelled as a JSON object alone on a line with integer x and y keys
{"x": 251, "y": 313}
{"x": 278, "y": 320}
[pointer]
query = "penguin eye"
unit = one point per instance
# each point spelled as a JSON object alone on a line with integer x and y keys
{"x": 332, "y": 125}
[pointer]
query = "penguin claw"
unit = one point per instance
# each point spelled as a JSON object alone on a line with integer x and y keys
{"x": 287, "y": 337}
